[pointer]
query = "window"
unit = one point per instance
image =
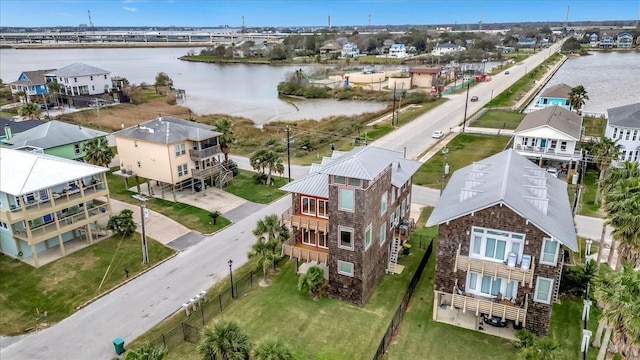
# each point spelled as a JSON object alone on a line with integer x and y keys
{"x": 182, "y": 170}
{"x": 543, "y": 290}
{"x": 354, "y": 182}
{"x": 3, "y": 225}
{"x": 139, "y": 164}
{"x": 323, "y": 208}
{"x": 322, "y": 240}
{"x": 309, "y": 237}
{"x": 495, "y": 245}
{"x": 346, "y": 238}
{"x": 75, "y": 79}
{"x": 346, "y": 199}
{"x": 404, "y": 207}
{"x": 93, "y": 88}
{"x": 76, "y": 149}
{"x": 383, "y": 203}
{"x": 549, "y": 254}
{"x": 180, "y": 149}
{"x": 615, "y": 133}
{"x": 91, "y": 77}
{"x": 563, "y": 146}
{"x": 553, "y": 145}
{"x": 367, "y": 237}
{"x": 345, "y": 268}
{"x": 135, "y": 143}
{"x": 635, "y": 135}
{"x": 308, "y": 206}
{"x": 339, "y": 180}
{"x": 627, "y": 134}
{"x": 490, "y": 285}
{"x": 105, "y": 77}
{"x": 383, "y": 233}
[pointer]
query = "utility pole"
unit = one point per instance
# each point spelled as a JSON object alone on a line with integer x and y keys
{"x": 393, "y": 111}
{"x": 145, "y": 251}
{"x": 445, "y": 168}
{"x": 289, "y": 153}
{"x": 466, "y": 104}
{"x": 46, "y": 106}
{"x": 399, "y": 105}
{"x": 98, "y": 112}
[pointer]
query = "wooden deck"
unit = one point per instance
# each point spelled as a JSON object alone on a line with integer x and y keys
{"x": 305, "y": 222}
{"x": 305, "y": 253}
{"x": 504, "y": 309}
{"x": 466, "y": 263}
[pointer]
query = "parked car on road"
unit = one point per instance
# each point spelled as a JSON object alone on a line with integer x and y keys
{"x": 437, "y": 134}
{"x": 506, "y": 72}
{"x": 474, "y": 98}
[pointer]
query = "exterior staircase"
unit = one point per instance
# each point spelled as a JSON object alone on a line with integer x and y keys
{"x": 396, "y": 245}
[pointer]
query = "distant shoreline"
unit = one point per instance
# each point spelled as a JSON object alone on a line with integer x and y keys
{"x": 111, "y": 45}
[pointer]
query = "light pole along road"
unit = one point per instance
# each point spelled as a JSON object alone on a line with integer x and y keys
{"x": 416, "y": 135}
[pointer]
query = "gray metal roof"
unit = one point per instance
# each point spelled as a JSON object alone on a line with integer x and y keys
{"x": 364, "y": 162}
{"x": 169, "y": 130}
{"x": 555, "y": 117}
{"x": 560, "y": 91}
{"x": 627, "y": 116}
{"x": 78, "y": 69}
{"x": 35, "y": 77}
{"x": 53, "y": 134}
{"x": 511, "y": 180}
{"x": 17, "y": 126}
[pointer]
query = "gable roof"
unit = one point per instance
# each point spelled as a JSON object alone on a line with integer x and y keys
{"x": 560, "y": 91}
{"x": 556, "y": 117}
{"x": 363, "y": 162}
{"x": 627, "y": 115}
{"x": 23, "y": 172}
{"x": 53, "y": 134}
{"x": 32, "y": 77}
{"x": 17, "y": 126}
{"x": 509, "y": 179}
{"x": 78, "y": 69}
{"x": 169, "y": 130}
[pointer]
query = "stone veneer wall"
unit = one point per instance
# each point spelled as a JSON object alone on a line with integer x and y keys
{"x": 500, "y": 218}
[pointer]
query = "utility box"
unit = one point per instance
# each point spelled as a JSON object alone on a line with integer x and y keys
{"x": 118, "y": 345}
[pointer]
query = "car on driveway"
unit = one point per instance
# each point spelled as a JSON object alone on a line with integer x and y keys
{"x": 437, "y": 134}
{"x": 553, "y": 171}
{"x": 474, "y": 98}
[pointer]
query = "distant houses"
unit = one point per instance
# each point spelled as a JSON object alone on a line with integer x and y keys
{"x": 447, "y": 49}
{"x": 32, "y": 85}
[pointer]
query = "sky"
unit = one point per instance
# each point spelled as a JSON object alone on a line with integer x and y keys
{"x": 213, "y": 13}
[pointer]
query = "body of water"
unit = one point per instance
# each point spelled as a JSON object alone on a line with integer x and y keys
{"x": 237, "y": 89}
{"x": 611, "y": 79}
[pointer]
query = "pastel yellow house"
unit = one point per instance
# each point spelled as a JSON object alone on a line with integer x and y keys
{"x": 176, "y": 153}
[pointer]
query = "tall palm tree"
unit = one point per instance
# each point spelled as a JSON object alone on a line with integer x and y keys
{"x": 30, "y": 110}
{"x": 272, "y": 350}
{"x": 98, "y": 152}
{"x": 224, "y": 341}
{"x": 578, "y": 97}
{"x": 227, "y": 138}
{"x": 54, "y": 89}
{"x": 264, "y": 253}
{"x": 623, "y": 213}
{"x": 604, "y": 152}
{"x": 269, "y": 227}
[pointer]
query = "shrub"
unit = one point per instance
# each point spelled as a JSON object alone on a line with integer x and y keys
{"x": 231, "y": 165}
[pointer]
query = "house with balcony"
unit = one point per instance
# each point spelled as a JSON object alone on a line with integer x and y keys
{"x": 504, "y": 226}
{"x": 350, "y": 49}
{"x": 79, "y": 83}
{"x": 624, "y": 40}
{"x": 623, "y": 127}
{"x": 351, "y": 215}
{"x": 33, "y": 84}
{"x": 55, "y": 138}
{"x": 558, "y": 94}
{"x": 551, "y": 134}
{"x": 176, "y": 153}
{"x": 49, "y": 206}
{"x": 593, "y": 39}
{"x": 446, "y": 49}
{"x": 398, "y": 51}
{"x": 607, "y": 42}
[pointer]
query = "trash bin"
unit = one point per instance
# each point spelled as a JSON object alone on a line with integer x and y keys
{"x": 118, "y": 345}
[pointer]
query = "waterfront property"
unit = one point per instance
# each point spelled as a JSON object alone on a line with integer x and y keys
{"x": 32, "y": 83}
{"x": 556, "y": 95}
{"x": 624, "y": 40}
{"x": 501, "y": 239}
{"x": 606, "y": 41}
{"x": 49, "y": 206}
{"x": 623, "y": 126}
{"x": 398, "y": 51}
{"x": 80, "y": 82}
{"x": 54, "y": 138}
{"x": 552, "y": 133}
{"x": 351, "y": 216}
{"x": 175, "y": 152}
{"x": 350, "y": 49}
{"x": 446, "y": 49}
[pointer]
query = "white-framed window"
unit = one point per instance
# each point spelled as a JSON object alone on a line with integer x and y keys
{"x": 3, "y": 225}
{"x": 487, "y": 285}
{"x": 615, "y": 132}
{"x": 139, "y": 164}
{"x": 308, "y": 206}
{"x": 549, "y": 254}
{"x": 322, "y": 240}
{"x": 544, "y": 287}
{"x": 393, "y": 195}
{"x": 383, "y": 233}
{"x": 354, "y": 182}
{"x": 404, "y": 207}
{"x": 383, "y": 203}
{"x": 346, "y": 238}
{"x": 627, "y": 134}
{"x": 392, "y": 220}
{"x": 309, "y": 237}
{"x": 495, "y": 245}
{"x": 182, "y": 170}
{"x": 635, "y": 135}
{"x": 345, "y": 268}
{"x": 346, "y": 199}
{"x": 340, "y": 180}
{"x": 553, "y": 145}
{"x": 563, "y": 146}
{"x": 367, "y": 237}
{"x": 323, "y": 208}
{"x": 91, "y": 77}
{"x": 77, "y": 149}
{"x": 180, "y": 149}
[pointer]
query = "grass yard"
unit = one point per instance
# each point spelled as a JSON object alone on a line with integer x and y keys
{"x": 187, "y": 215}
{"x": 589, "y": 189}
{"x": 464, "y": 149}
{"x": 499, "y": 119}
{"x": 245, "y": 187}
{"x": 594, "y": 126}
{"x": 566, "y": 326}
{"x": 27, "y": 293}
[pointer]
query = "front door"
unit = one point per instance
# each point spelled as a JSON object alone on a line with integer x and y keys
{"x": 543, "y": 143}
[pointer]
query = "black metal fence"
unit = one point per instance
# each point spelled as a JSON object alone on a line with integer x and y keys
{"x": 189, "y": 330}
{"x": 402, "y": 308}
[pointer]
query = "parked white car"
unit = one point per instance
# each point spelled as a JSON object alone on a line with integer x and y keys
{"x": 553, "y": 171}
{"x": 437, "y": 134}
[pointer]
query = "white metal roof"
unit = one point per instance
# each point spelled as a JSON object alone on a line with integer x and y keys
{"x": 52, "y": 134}
{"x": 23, "y": 172}
{"x": 78, "y": 69}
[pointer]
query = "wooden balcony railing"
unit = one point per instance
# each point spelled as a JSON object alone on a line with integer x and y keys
{"x": 492, "y": 308}
{"x": 304, "y": 252}
{"x": 495, "y": 269}
{"x": 305, "y": 222}
{"x": 197, "y": 155}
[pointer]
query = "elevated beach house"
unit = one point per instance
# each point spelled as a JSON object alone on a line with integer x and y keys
{"x": 33, "y": 84}
{"x": 623, "y": 126}
{"x": 555, "y": 95}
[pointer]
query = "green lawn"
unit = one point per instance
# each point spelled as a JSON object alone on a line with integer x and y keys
{"x": 587, "y": 206}
{"x": 499, "y": 119}
{"x": 566, "y": 326}
{"x": 27, "y": 293}
{"x": 464, "y": 149}
{"x": 187, "y": 215}
{"x": 245, "y": 187}
{"x": 594, "y": 126}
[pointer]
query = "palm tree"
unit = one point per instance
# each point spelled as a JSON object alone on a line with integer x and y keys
{"x": 225, "y": 341}
{"x": 269, "y": 226}
{"x": 147, "y": 352}
{"x": 312, "y": 281}
{"x": 604, "y": 152}
{"x": 272, "y": 350}
{"x": 227, "y": 138}
{"x": 54, "y": 88}
{"x": 264, "y": 254}
{"x": 578, "y": 97}
{"x": 98, "y": 152}
{"x": 30, "y": 110}
{"x": 623, "y": 213}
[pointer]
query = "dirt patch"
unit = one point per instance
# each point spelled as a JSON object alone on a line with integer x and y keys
{"x": 63, "y": 270}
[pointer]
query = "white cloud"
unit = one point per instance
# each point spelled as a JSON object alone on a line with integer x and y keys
{"x": 128, "y": 8}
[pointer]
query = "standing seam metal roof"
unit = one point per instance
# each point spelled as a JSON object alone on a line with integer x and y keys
{"x": 169, "y": 130}
{"x": 53, "y": 134}
{"x": 78, "y": 69}
{"x": 627, "y": 116}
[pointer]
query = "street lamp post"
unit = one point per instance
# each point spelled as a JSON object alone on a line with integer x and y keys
{"x": 445, "y": 168}
{"x": 466, "y": 103}
{"x": 145, "y": 250}
{"x": 230, "y": 262}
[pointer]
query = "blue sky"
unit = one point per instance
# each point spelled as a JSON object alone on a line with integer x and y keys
{"x": 207, "y": 13}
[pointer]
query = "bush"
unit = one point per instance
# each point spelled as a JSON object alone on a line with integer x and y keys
{"x": 575, "y": 279}
{"x": 316, "y": 92}
{"x": 231, "y": 165}
{"x": 260, "y": 178}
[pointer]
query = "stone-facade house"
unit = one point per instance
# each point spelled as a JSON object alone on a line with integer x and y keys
{"x": 350, "y": 216}
{"x": 504, "y": 224}
{"x": 623, "y": 127}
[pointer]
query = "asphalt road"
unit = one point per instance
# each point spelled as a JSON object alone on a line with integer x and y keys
{"x": 416, "y": 136}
